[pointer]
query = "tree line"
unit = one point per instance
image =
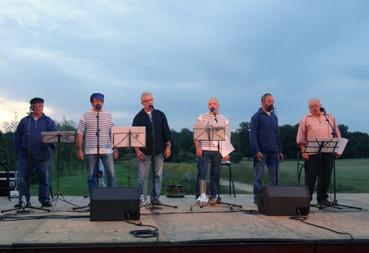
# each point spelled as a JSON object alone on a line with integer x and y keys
{"x": 183, "y": 149}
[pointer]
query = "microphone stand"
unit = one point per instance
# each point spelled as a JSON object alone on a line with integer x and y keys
{"x": 335, "y": 202}
{"x": 97, "y": 165}
{"x": 25, "y": 202}
{"x": 219, "y": 199}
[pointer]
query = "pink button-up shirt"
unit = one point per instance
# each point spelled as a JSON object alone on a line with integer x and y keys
{"x": 315, "y": 127}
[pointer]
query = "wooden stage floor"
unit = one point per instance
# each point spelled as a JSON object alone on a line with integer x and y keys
{"x": 187, "y": 225}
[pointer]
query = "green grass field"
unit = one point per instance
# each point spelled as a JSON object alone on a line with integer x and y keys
{"x": 352, "y": 175}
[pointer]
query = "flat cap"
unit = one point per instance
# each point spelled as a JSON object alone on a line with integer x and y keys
{"x": 99, "y": 96}
{"x": 36, "y": 100}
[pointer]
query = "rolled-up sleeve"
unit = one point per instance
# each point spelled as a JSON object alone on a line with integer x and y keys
{"x": 301, "y": 133}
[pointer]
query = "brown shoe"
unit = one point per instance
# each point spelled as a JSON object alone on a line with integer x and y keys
{"x": 213, "y": 201}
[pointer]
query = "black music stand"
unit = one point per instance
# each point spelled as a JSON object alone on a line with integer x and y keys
{"x": 209, "y": 133}
{"x": 59, "y": 137}
{"x": 330, "y": 146}
{"x": 129, "y": 137}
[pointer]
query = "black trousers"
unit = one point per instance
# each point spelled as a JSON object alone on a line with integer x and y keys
{"x": 319, "y": 166}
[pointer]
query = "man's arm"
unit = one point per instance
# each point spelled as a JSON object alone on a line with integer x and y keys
{"x": 167, "y": 137}
{"x": 254, "y": 127}
{"x": 301, "y": 139}
{"x": 196, "y": 142}
{"x": 198, "y": 148}
{"x": 18, "y": 137}
{"x": 140, "y": 155}
{"x": 79, "y": 146}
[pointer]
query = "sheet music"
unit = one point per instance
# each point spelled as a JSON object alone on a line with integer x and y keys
{"x": 342, "y": 142}
{"x": 208, "y": 133}
{"x": 128, "y": 136}
{"x": 226, "y": 148}
{"x": 58, "y": 137}
{"x": 330, "y": 145}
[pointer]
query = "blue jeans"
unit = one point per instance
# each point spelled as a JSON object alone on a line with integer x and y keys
{"x": 214, "y": 158}
{"x": 42, "y": 170}
{"x": 271, "y": 161}
{"x": 143, "y": 173}
{"x": 108, "y": 162}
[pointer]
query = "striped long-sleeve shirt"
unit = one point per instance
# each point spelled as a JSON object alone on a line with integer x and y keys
{"x": 208, "y": 120}
{"x": 88, "y": 127}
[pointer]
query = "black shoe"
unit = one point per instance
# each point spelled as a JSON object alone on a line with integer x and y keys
{"x": 47, "y": 204}
{"x": 19, "y": 205}
{"x": 156, "y": 202}
{"x": 325, "y": 202}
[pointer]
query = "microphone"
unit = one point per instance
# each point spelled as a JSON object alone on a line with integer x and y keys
{"x": 212, "y": 109}
{"x": 322, "y": 109}
{"x": 98, "y": 107}
{"x": 151, "y": 107}
{"x": 270, "y": 108}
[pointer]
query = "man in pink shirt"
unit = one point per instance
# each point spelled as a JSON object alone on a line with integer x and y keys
{"x": 317, "y": 124}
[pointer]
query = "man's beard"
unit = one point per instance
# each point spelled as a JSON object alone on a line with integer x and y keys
{"x": 270, "y": 108}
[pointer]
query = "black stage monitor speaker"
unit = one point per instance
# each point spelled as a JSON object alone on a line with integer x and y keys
{"x": 284, "y": 201}
{"x": 113, "y": 204}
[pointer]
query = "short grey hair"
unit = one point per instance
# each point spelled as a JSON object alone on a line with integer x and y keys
{"x": 313, "y": 100}
{"x": 145, "y": 93}
{"x": 215, "y": 99}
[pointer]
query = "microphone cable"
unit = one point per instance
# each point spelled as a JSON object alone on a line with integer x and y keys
{"x": 144, "y": 233}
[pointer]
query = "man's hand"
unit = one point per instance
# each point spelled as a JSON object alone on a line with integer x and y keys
{"x": 226, "y": 158}
{"x": 115, "y": 154}
{"x": 305, "y": 156}
{"x": 167, "y": 152}
{"x": 281, "y": 156}
{"x": 139, "y": 154}
{"x": 198, "y": 152}
{"x": 80, "y": 154}
{"x": 258, "y": 156}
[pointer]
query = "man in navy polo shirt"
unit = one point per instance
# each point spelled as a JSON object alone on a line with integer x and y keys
{"x": 265, "y": 143}
{"x": 32, "y": 153}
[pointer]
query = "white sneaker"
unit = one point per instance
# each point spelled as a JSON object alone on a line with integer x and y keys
{"x": 142, "y": 201}
{"x": 202, "y": 199}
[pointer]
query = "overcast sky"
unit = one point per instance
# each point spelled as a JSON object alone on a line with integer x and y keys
{"x": 185, "y": 52}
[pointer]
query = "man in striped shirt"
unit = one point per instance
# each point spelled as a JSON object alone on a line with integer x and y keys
{"x": 95, "y": 127}
{"x": 209, "y": 151}
{"x": 317, "y": 125}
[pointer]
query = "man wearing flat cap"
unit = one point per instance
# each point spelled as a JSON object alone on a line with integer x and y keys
{"x": 32, "y": 153}
{"x": 95, "y": 127}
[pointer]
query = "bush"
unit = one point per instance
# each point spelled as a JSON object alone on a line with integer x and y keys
{"x": 236, "y": 157}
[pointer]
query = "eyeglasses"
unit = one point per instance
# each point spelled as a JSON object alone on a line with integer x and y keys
{"x": 147, "y": 100}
